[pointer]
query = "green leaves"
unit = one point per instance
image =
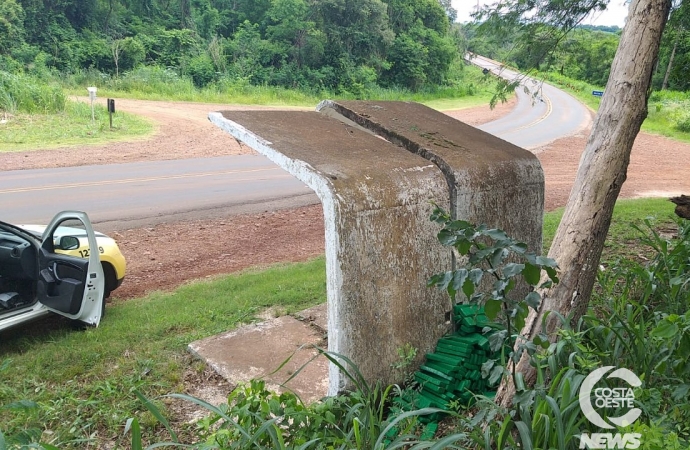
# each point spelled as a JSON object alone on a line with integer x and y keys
{"x": 492, "y": 308}
{"x": 512, "y": 269}
{"x": 531, "y": 273}
{"x": 665, "y": 330}
{"x": 491, "y": 252}
{"x": 533, "y": 300}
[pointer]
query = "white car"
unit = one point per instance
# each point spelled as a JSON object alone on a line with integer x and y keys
{"x": 36, "y": 279}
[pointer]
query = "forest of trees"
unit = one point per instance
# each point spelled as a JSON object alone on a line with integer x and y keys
{"x": 335, "y": 45}
{"x": 586, "y": 52}
{"x": 304, "y": 44}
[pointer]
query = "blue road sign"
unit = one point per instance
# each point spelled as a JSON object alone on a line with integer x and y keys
{"x": 597, "y": 93}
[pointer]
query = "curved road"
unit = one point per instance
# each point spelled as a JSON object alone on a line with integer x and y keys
{"x": 128, "y": 195}
{"x": 543, "y": 114}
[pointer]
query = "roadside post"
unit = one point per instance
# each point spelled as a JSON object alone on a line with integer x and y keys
{"x": 92, "y": 97}
{"x": 111, "y": 110}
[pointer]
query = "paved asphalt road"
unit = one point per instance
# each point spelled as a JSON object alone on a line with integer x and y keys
{"x": 541, "y": 116}
{"x": 133, "y": 194}
{"x": 128, "y": 195}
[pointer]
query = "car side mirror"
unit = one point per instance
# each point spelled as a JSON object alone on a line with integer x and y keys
{"x": 66, "y": 243}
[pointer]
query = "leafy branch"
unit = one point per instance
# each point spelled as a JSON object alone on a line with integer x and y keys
{"x": 497, "y": 272}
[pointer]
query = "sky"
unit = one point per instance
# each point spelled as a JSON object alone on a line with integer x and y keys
{"x": 614, "y": 15}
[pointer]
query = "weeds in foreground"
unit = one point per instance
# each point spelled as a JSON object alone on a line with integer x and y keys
{"x": 257, "y": 418}
{"x": 26, "y": 94}
{"x": 642, "y": 324}
{"x": 629, "y": 328}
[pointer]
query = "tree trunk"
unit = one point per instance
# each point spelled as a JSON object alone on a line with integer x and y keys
{"x": 116, "y": 48}
{"x": 664, "y": 85}
{"x": 580, "y": 236}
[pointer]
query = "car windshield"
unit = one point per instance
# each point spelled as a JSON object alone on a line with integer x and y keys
{"x": 20, "y": 229}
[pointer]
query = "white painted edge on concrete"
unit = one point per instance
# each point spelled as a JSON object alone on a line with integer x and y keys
{"x": 309, "y": 176}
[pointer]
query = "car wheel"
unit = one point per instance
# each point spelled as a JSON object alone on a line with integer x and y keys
{"x": 109, "y": 278}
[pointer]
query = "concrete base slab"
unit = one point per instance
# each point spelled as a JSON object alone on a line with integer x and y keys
{"x": 256, "y": 351}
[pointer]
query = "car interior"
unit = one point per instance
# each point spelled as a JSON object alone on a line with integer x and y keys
{"x": 18, "y": 272}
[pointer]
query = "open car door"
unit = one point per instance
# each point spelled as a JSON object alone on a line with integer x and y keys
{"x": 69, "y": 285}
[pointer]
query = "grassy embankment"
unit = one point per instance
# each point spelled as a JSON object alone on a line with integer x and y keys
{"x": 35, "y": 114}
{"x": 669, "y": 112}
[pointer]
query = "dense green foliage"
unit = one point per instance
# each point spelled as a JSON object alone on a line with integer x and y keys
{"x": 337, "y": 45}
{"x": 673, "y": 71}
{"x": 556, "y": 42}
{"x": 638, "y": 320}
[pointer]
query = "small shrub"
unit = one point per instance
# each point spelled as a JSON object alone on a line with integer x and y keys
{"x": 202, "y": 70}
{"x": 683, "y": 124}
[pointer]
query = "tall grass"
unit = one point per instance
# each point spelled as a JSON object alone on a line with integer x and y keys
{"x": 669, "y": 114}
{"x": 26, "y": 94}
{"x": 71, "y": 126}
{"x": 156, "y": 83}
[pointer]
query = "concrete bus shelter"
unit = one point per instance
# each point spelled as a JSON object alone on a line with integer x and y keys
{"x": 379, "y": 168}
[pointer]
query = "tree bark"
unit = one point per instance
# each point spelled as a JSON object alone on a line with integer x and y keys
{"x": 580, "y": 237}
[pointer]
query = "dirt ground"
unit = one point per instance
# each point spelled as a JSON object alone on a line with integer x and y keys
{"x": 658, "y": 167}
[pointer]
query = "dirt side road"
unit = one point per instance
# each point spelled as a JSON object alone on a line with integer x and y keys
{"x": 176, "y": 252}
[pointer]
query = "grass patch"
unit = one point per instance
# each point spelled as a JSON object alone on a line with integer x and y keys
{"x": 27, "y": 94}
{"x": 621, "y": 239}
{"x": 84, "y": 381}
{"x": 156, "y": 83}
{"x": 669, "y": 115}
{"x": 448, "y": 104}
{"x": 73, "y": 126}
{"x": 236, "y": 95}
{"x": 667, "y": 110}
